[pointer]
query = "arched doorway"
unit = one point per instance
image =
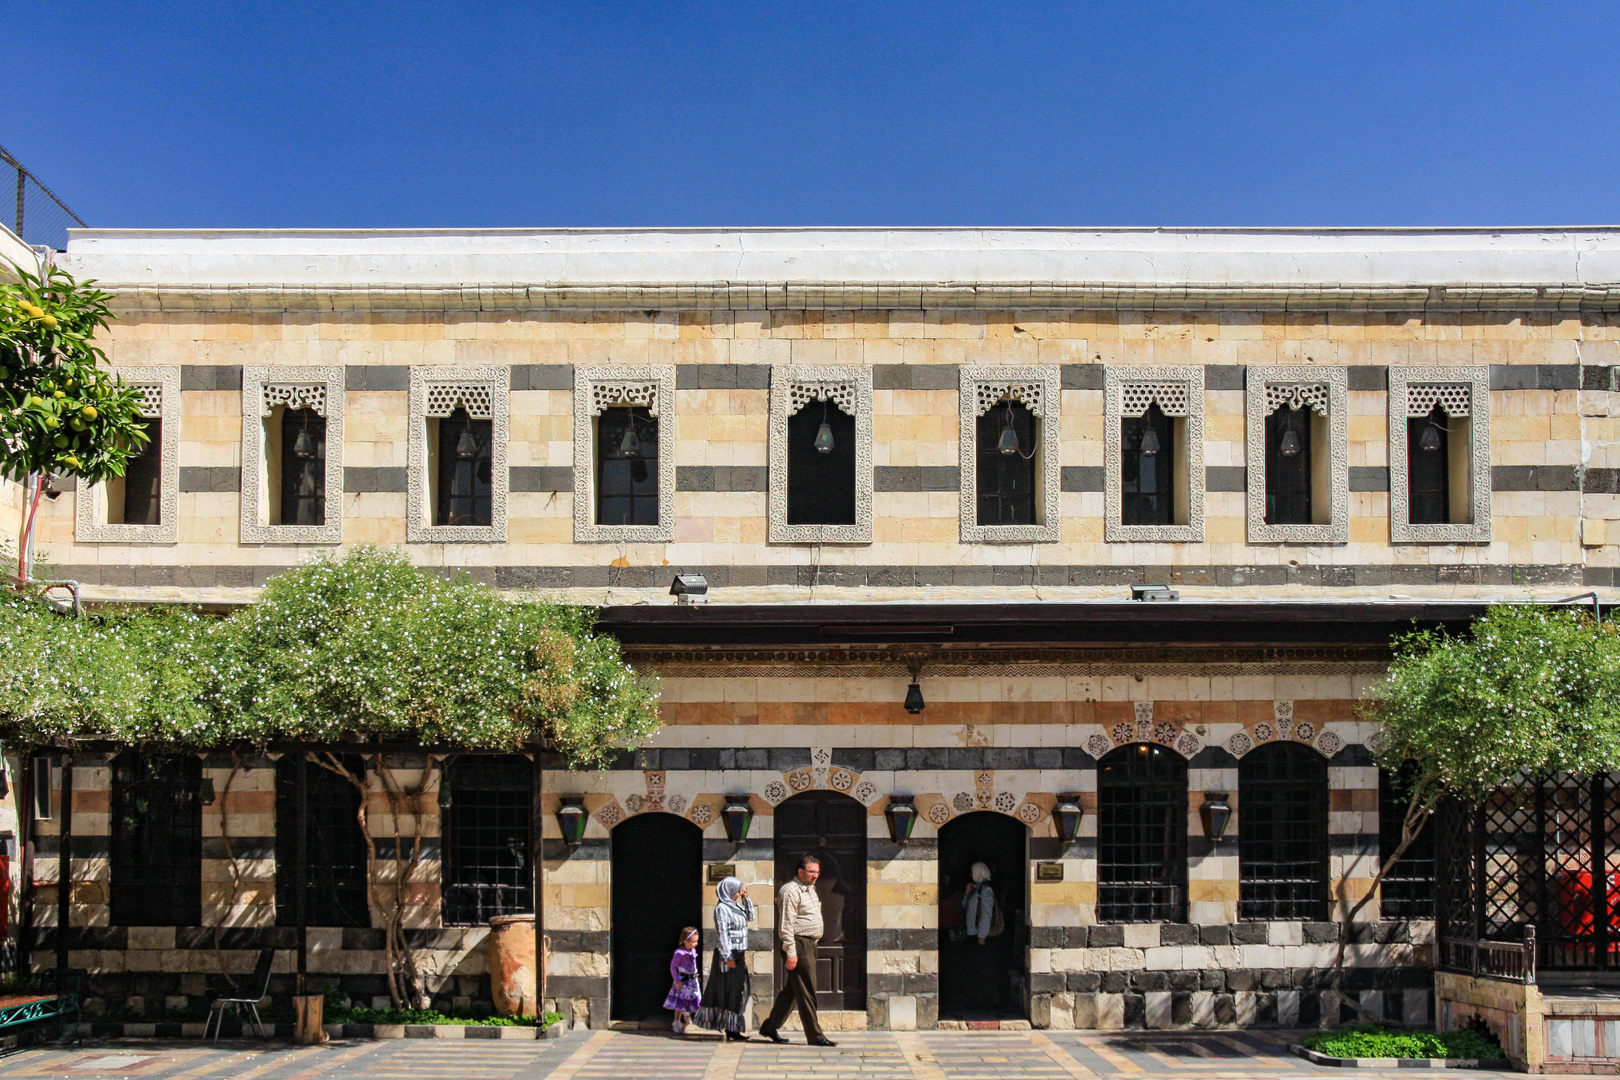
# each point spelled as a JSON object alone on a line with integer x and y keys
{"x": 989, "y": 981}
{"x": 833, "y": 826}
{"x": 657, "y": 890}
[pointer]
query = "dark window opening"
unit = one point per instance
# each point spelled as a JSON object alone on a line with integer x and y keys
{"x": 1282, "y": 833}
{"x": 1142, "y": 835}
{"x": 1147, "y": 468}
{"x": 1428, "y": 468}
{"x": 487, "y": 829}
{"x": 303, "y": 467}
{"x": 821, "y": 466}
{"x": 143, "y": 481}
{"x": 1005, "y": 453}
{"x": 1288, "y": 466}
{"x": 627, "y": 467}
{"x": 465, "y": 470}
{"x": 329, "y": 858}
{"x": 1407, "y": 892}
{"x": 156, "y": 841}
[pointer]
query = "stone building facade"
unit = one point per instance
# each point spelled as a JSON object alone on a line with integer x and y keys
{"x": 702, "y": 360}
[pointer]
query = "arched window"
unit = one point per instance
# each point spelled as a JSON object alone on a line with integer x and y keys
{"x": 1142, "y": 835}
{"x": 1282, "y": 833}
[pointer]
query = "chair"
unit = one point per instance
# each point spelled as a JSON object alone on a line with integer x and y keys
{"x": 261, "y": 982}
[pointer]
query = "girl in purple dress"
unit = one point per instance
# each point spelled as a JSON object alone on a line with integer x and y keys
{"x": 686, "y": 994}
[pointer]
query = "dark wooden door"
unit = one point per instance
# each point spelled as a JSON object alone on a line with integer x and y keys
{"x": 983, "y": 982}
{"x": 833, "y": 826}
{"x": 657, "y": 890}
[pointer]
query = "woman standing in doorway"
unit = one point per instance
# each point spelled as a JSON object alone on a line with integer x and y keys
{"x": 726, "y": 998}
{"x": 982, "y": 961}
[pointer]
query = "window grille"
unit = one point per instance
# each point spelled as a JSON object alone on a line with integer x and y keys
{"x": 1147, "y": 467}
{"x": 143, "y": 478}
{"x": 303, "y": 467}
{"x": 1408, "y": 890}
{"x": 1288, "y": 465}
{"x": 329, "y": 858}
{"x": 487, "y": 831}
{"x": 465, "y": 495}
{"x": 627, "y": 467}
{"x": 1006, "y": 466}
{"x": 156, "y": 841}
{"x": 1428, "y": 460}
{"x": 821, "y": 486}
{"x": 1142, "y": 835}
{"x": 1282, "y": 833}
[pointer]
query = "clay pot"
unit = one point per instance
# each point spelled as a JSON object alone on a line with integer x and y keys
{"x": 513, "y": 969}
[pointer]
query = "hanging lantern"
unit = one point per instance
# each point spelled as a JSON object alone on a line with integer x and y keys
{"x": 1068, "y": 814}
{"x": 1008, "y": 443}
{"x": 914, "y": 699}
{"x": 737, "y": 815}
{"x": 824, "y": 438}
{"x": 901, "y": 815}
{"x": 1150, "y": 442}
{"x": 304, "y": 445}
{"x": 630, "y": 445}
{"x": 205, "y": 791}
{"x": 1429, "y": 441}
{"x": 571, "y": 818}
{"x": 1289, "y": 446}
{"x": 466, "y": 446}
{"x": 1215, "y": 813}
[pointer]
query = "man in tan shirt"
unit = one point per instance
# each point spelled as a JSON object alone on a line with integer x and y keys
{"x": 798, "y": 932}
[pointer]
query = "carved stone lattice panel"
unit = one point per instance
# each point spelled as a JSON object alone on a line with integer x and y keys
{"x": 159, "y": 388}
{"x": 980, "y": 389}
{"x": 793, "y": 387}
{"x": 600, "y": 388}
{"x": 263, "y": 389}
{"x": 1325, "y": 390}
{"x": 1413, "y": 391}
{"x": 436, "y": 392}
{"x": 1179, "y": 391}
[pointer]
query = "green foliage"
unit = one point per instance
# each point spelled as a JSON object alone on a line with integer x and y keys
{"x": 366, "y": 644}
{"x": 359, "y": 1015}
{"x": 1530, "y": 688}
{"x": 61, "y": 411}
{"x": 1382, "y": 1042}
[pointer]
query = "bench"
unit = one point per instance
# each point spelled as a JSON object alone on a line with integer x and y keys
{"x": 24, "y": 1010}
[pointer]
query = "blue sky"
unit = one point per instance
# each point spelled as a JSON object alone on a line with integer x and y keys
{"x": 340, "y": 114}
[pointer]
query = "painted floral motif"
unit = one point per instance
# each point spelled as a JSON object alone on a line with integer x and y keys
{"x": 1305, "y": 732}
{"x": 983, "y": 799}
{"x": 1165, "y": 732}
{"x": 1029, "y": 813}
{"x": 775, "y": 792}
{"x": 1329, "y": 743}
{"x": 609, "y": 814}
{"x": 701, "y": 814}
{"x": 866, "y": 791}
{"x": 1006, "y": 802}
{"x": 939, "y": 813}
{"x": 1187, "y": 745}
{"x": 963, "y": 802}
{"x": 986, "y": 780}
{"x": 655, "y": 778}
{"x": 677, "y": 804}
{"x": 1098, "y": 745}
{"x": 821, "y": 756}
{"x": 655, "y": 801}
{"x": 635, "y": 803}
{"x": 1283, "y": 710}
{"x": 1122, "y": 734}
{"x": 1239, "y": 744}
{"x": 842, "y": 780}
{"x": 799, "y": 779}
{"x": 1263, "y": 732}
{"x": 1144, "y": 712}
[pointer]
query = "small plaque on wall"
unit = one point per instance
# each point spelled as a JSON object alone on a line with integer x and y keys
{"x": 718, "y": 872}
{"x": 1049, "y": 871}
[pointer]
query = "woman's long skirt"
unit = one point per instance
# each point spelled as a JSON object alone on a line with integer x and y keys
{"x": 726, "y": 998}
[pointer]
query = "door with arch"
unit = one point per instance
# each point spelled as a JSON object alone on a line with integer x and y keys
{"x": 657, "y": 890}
{"x": 833, "y": 828}
{"x": 989, "y": 981}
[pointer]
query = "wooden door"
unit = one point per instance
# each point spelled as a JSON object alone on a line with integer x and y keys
{"x": 657, "y": 891}
{"x": 833, "y": 827}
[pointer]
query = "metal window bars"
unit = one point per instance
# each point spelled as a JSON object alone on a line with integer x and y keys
{"x": 1142, "y": 835}
{"x": 33, "y": 212}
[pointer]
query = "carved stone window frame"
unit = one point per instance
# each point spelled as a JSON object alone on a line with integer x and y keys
{"x": 322, "y": 385}
{"x": 431, "y": 382}
{"x": 1477, "y": 378}
{"x": 1118, "y": 382}
{"x": 1337, "y": 529}
{"x": 597, "y": 389}
{"x": 981, "y": 388}
{"x": 91, "y": 525}
{"x": 852, "y": 382}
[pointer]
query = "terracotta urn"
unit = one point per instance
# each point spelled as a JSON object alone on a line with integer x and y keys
{"x": 514, "y": 971}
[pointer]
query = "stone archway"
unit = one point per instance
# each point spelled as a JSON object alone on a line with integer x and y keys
{"x": 657, "y": 889}
{"x": 989, "y": 981}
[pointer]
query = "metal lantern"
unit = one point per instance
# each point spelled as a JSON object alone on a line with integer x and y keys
{"x": 1067, "y": 813}
{"x": 1215, "y": 812}
{"x": 901, "y": 815}
{"x": 205, "y": 791}
{"x": 737, "y": 815}
{"x": 571, "y": 818}
{"x": 914, "y": 699}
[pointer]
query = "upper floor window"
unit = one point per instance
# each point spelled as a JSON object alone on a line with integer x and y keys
{"x": 821, "y": 455}
{"x": 1142, "y": 835}
{"x": 1282, "y": 833}
{"x": 292, "y": 455}
{"x": 1154, "y": 454}
{"x": 140, "y": 506}
{"x": 320, "y": 849}
{"x": 457, "y": 479}
{"x": 1439, "y": 446}
{"x": 1005, "y": 447}
{"x": 488, "y": 807}
{"x": 1009, "y": 457}
{"x": 156, "y": 840}
{"x": 1292, "y": 448}
{"x": 1298, "y": 455}
{"x": 624, "y": 454}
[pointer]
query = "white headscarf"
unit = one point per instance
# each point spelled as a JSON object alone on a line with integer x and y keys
{"x": 981, "y": 873}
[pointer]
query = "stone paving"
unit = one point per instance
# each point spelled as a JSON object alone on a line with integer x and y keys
{"x": 602, "y": 1055}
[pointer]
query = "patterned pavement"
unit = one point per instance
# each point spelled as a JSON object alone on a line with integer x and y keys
{"x": 601, "y": 1055}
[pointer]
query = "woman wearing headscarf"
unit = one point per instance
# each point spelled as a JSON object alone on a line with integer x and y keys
{"x": 983, "y": 965}
{"x": 726, "y": 998}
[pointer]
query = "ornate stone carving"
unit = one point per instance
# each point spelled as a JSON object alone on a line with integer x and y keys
{"x": 1325, "y": 390}
{"x": 597, "y": 389}
{"x": 701, "y": 814}
{"x": 263, "y": 388}
{"x": 1413, "y": 391}
{"x": 939, "y": 813}
{"x": 1029, "y": 813}
{"x": 865, "y": 792}
{"x": 1179, "y": 392}
{"x": 160, "y": 399}
{"x": 775, "y": 792}
{"x": 980, "y": 389}
{"x": 436, "y": 392}
{"x": 1098, "y": 745}
{"x": 791, "y": 389}
{"x": 1239, "y": 744}
{"x": 964, "y": 802}
{"x": 1187, "y": 745}
{"x": 1329, "y": 744}
{"x": 1006, "y": 802}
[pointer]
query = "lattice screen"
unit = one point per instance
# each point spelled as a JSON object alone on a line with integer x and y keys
{"x": 151, "y": 398}
{"x": 444, "y": 398}
{"x": 1454, "y": 398}
{"x": 1135, "y": 397}
{"x": 295, "y": 396}
{"x": 842, "y": 393}
{"x": 989, "y": 394}
{"x": 1296, "y": 396}
{"x": 606, "y": 395}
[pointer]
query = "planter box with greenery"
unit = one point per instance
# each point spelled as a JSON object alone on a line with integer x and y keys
{"x": 1374, "y": 1047}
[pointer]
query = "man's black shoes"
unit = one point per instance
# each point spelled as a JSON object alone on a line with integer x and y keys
{"x": 823, "y": 1041}
{"x": 771, "y": 1034}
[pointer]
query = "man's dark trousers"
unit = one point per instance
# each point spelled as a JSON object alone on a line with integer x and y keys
{"x": 800, "y": 990}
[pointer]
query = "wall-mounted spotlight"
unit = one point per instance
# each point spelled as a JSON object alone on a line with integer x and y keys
{"x": 571, "y": 818}
{"x": 737, "y": 815}
{"x": 1154, "y": 592}
{"x": 1068, "y": 814}
{"x": 1215, "y": 813}
{"x": 901, "y": 814}
{"x": 689, "y": 588}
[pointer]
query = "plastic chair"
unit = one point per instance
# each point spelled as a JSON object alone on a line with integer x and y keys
{"x": 261, "y": 980}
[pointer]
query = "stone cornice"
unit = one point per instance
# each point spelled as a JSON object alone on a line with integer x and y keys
{"x": 846, "y": 296}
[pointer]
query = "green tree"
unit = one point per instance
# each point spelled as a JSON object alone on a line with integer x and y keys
{"x": 61, "y": 411}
